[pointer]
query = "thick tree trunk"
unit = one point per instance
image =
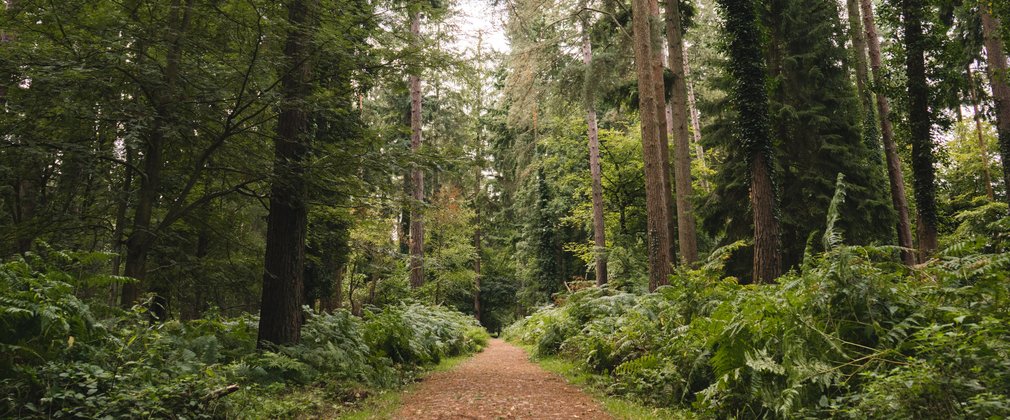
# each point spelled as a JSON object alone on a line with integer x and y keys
{"x": 894, "y": 172}
{"x": 656, "y": 190}
{"x": 682, "y": 157}
{"x": 747, "y": 68}
{"x": 599, "y": 228}
{"x": 920, "y": 125}
{"x": 280, "y": 308}
{"x": 999, "y": 78}
{"x": 983, "y": 148}
{"x": 416, "y": 174}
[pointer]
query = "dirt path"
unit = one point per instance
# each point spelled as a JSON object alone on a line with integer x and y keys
{"x": 500, "y": 383}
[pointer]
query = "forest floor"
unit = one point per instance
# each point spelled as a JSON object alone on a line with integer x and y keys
{"x": 499, "y": 383}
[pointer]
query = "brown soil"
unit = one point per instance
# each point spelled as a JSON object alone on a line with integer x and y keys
{"x": 500, "y": 383}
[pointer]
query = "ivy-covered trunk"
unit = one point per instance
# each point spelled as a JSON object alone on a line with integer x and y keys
{"x": 749, "y": 96}
{"x": 920, "y": 124}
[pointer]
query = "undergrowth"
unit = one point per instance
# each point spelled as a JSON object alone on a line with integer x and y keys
{"x": 59, "y": 360}
{"x": 850, "y": 334}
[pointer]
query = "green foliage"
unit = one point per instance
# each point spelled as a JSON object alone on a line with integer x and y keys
{"x": 59, "y": 360}
{"x": 852, "y": 334}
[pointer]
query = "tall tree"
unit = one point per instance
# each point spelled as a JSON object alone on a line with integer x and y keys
{"x": 281, "y": 304}
{"x": 894, "y": 172}
{"x": 688, "y": 240}
{"x": 920, "y": 123}
{"x": 856, "y": 35}
{"x": 416, "y": 172}
{"x": 599, "y": 229}
{"x": 658, "y": 240}
{"x": 164, "y": 101}
{"x": 750, "y": 98}
{"x": 999, "y": 79}
{"x": 983, "y": 148}
{"x": 659, "y": 84}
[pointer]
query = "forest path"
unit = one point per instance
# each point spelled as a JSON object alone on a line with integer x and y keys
{"x": 499, "y": 383}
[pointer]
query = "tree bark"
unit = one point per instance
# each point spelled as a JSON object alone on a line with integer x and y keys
{"x": 998, "y": 79}
{"x": 280, "y": 308}
{"x": 862, "y": 77}
{"x": 656, "y": 190}
{"x": 894, "y": 171}
{"x": 416, "y": 174}
{"x": 599, "y": 228}
{"x": 142, "y": 237}
{"x": 920, "y": 125}
{"x": 699, "y": 150}
{"x": 478, "y": 177}
{"x": 983, "y": 148}
{"x": 682, "y": 157}
{"x": 750, "y": 97}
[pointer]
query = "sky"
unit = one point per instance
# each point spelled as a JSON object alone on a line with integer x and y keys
{"x": 481, "y": 16}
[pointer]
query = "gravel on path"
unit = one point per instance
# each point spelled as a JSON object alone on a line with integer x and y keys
{"x": 499, "y": 383}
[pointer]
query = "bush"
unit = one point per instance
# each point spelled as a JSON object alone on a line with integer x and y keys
{"x": 58, "y": 360}
{"x": 852, "y": 334}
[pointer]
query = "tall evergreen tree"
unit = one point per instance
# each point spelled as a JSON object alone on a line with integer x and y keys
{"x": 816, "y": 119}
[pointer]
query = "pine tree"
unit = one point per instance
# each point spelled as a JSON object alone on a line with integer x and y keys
{"x": 656, "y": 172}
{"x": 816, "y": 118}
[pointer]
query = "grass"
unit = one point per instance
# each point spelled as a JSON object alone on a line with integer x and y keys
{"x": 383, "y": 405}
{"x": 618, "y": 407}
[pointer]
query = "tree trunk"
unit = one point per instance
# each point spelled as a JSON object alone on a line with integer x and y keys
{"x": 280, "y": 309}
{"x": 920, "y": 125}
{"x": 118, "y": 231}
{"x": 659, "y": 84}
{"x": 658, "y": 241}
{"x": 599, "y": 228}
{"x": 416, "y": 174}
{"x": 862, "y": 78}
{"x": 478, "y": 177}
{"x": 138, "y": 245}
{"x": 699, "y": 151}
{"x": 983, "y": 147}
{"x": 998, "y": 78}
{"x": 894, "y": 171}
{"x": 678, "y": 105}
{"x": 747, "y": 68}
